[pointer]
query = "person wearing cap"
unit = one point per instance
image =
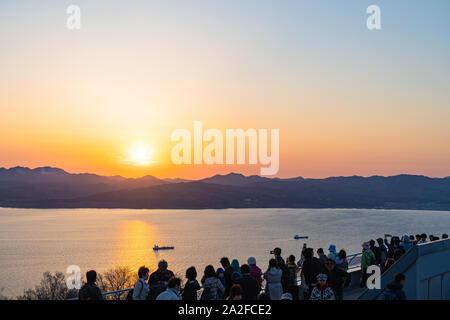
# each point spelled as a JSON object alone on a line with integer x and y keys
{"x": 337, "y": 278}
{"x": 158, "y": 279}
{"x": 321, "y": 290}
{"x": 367, "y": 259}
{"x": 332, "y": 252}
{"x": 255, "y": 271}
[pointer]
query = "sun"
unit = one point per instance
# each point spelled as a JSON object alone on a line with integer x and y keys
{"x": 140, "y": 154}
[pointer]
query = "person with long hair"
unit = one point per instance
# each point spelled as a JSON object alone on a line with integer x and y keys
{"x": 192, "y": 286}
{"x": 273, "y": 277}
{"x": 212, "y": 286}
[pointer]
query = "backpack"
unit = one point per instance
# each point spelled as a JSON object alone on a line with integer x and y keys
{"x": 155, "y": 290}
{"x": 130, "y": 293}
{"x": 206, "y": 294}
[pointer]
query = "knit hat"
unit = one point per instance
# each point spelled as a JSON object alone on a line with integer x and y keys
{"x": 322, "y": 277}
{"x": 286, "y": 296}
{"x": 220, "y": 270}
{"x": 236, "y": 276}
{"x": 365, "y": 245}
{"x": 251, "y": 261}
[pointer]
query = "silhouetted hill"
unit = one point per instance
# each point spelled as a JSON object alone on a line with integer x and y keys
{"x": 238, "y": 191}
{"x": 24, "y": 184}
{"x": 234, "y": 179}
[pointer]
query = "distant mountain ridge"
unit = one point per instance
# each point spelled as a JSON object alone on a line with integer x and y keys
{"x": 48, "y": 187}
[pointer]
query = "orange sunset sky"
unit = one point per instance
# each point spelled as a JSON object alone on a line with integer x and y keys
{"x": 105, "y": 99}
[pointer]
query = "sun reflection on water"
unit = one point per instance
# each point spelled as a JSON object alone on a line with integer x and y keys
{"x": 136, "y": 241}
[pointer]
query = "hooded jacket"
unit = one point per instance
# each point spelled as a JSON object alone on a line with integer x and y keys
{"x": 273, "y": 277}
{"x": 367, "y": 259}
{"x": 406, "y": 243}
{"x": 216, "y": 289}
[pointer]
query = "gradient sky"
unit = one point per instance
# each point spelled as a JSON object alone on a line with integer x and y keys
{"x": 346, "y": 100}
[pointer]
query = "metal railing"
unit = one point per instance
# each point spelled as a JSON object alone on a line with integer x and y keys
{"x": 113, "y": 295}
{"x": 354, "y": 260}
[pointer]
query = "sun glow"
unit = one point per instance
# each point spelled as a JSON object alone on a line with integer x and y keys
{"x": 140, "y": 154}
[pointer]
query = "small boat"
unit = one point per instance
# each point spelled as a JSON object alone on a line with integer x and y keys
{"x": 297, "y": 237}
{"x": 156, "y": 248}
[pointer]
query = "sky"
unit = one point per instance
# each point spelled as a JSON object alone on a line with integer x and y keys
{"x": 106, "y": 98}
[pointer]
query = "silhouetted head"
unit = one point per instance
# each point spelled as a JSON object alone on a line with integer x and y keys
{"x": 291, "y": 258}
{"x": 225, "y": 262}
{"x": 245, "y": 269}
{"x": 174, "y": 283}
{"x": 380, "y": 241}
{"x": 308, "y": 253}
{"x": 444, "y": 236}
{"x": 143, "y": 272}
{"x": 329, "y": 264}
{"x": 277, "y": 252}
{"x": 162, "y": 265}
{"x": 400, "y": 278}
{"x": 372, "y": 243}
{"x": 209, "y": 272}
{"x": 191, "y": 273}
{"x": 91, "y": 276}
{"x": 342, "y": 254}
{"x": 272, "y": 263}
{"x": 320, "y": 252}
{"x": 423, "y": 236}
{"x": 235, "y": 265}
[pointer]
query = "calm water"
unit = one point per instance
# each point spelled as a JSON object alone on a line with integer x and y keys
{"x": 35, "y": 241}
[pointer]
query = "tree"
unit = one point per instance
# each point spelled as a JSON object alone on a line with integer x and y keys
{"x": 51, "y": 287}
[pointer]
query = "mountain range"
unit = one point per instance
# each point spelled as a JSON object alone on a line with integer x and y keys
{"x": 48, "y": 187}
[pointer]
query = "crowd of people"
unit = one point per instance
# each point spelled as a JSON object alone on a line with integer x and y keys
{"x": 322, "y": 278}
